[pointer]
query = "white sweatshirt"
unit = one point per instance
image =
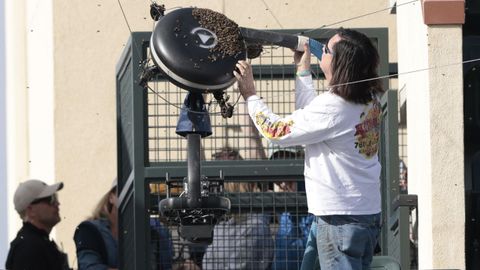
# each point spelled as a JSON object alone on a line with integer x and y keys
{"x": 342, "y": 171}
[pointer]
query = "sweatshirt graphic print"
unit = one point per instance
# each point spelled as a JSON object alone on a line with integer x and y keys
{"x": 368, "y": 131}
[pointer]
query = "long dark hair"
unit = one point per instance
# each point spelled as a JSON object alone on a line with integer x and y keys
{"x": 355, "y": 58}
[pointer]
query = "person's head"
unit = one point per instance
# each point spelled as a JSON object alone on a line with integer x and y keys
{"x": 227, "y": 153}
{"x": 350, "y": 56}
{"x": 106, "y": 208}
{"x": 37, "y": 203}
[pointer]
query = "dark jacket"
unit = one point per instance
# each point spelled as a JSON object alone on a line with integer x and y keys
{"x": 33, "y": 250}
{"x": 97, "y": 249}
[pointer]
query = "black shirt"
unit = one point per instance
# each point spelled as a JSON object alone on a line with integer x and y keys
{"x": 33, "y": 250}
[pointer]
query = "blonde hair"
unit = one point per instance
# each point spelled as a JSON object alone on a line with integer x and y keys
{"x": 241, "y": 187}
{"x": 100, "y": 211}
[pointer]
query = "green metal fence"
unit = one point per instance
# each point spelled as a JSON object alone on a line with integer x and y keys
{"x": 149, "y": 152}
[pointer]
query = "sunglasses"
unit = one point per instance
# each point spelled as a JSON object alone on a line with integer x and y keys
{"x": 326, "y": 50}
{"x": 51, "y": 200}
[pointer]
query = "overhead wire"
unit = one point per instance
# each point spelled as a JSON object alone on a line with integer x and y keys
{"x": 311, "y": 30}
{"x": 359, "y": 81}
{"x": 149, "y": 87}
{"x": 138, "y": 50}
{"x": 271, "y": 13}
{"x": 124, "y": 16}
{"x": 338, "y": 22}
{"x": 402, "y": 73}
{"x": 327, "y": 25}
{"x": 382, "y": 77}
{"x": 341, "y": 21}
{"x": 364, "y": 80}
{"x": 360, "y": 16}
{"x": 137, "y": 47}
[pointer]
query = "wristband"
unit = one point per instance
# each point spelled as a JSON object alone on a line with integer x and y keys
{"x": 303, "y": 73}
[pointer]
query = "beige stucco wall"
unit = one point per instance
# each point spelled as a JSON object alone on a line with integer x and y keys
{"x": 435, "y": 135}
{"x": 88, "y": 38}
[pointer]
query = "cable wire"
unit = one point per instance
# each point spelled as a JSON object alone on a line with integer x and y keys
{"x": 360, "y": 16}
{"x": 124, "y": 16}
{"x": 311, "y": 30}
{"x": 271, "y": 13}
{"x": 394, "y": 75}
{"x": 353, "y": 82}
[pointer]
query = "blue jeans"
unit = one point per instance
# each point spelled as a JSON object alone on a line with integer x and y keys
{"x": 342, "y": 242}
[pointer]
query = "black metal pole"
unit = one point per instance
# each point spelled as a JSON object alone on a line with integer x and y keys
{"x": 193, "y": 162}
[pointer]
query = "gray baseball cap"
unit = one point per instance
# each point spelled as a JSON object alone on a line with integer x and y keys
{"x": 31, "y": 190}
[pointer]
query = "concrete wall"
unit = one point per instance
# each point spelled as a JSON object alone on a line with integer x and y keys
{"x": 435, "y": 135}
{"x": 75, "y": 98}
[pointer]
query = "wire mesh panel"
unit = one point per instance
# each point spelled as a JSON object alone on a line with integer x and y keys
{"x": 268, "y": 222}
{"x": 275, "y": 83}
{"x": 265, "y": 229}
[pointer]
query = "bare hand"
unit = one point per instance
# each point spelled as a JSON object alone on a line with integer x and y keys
{"x": 244, "y": 76}
{"x": 302, "y": 59}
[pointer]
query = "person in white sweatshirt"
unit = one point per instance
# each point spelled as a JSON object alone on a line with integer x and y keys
{"x": 341, "y": 132}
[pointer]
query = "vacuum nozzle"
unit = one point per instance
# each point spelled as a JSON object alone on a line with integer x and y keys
{"x": 316, "y": 48}
{"x": 281, "y": 39}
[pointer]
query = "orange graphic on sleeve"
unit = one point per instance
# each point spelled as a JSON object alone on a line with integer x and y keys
{"x": 367, "y": 133}
{"x": 273, "y": 129}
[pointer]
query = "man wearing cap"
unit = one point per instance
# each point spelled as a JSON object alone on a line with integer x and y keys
{"x": 37, "y": 205}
